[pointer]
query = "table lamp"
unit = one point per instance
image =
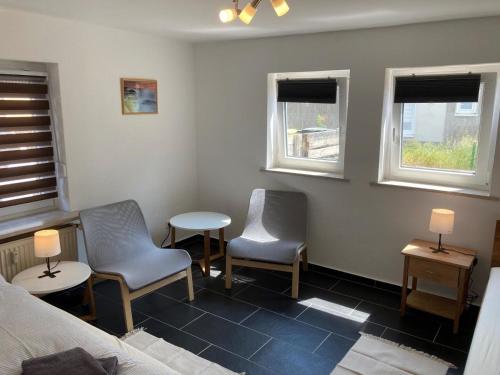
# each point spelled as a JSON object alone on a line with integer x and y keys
{"x": 442, "y": 222}
{"x": 47, "y": 245}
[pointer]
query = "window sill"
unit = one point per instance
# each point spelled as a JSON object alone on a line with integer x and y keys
{"x": 306, "y": 173}
{"x": 437, "y": 189}
{"x": 32, "y": 223}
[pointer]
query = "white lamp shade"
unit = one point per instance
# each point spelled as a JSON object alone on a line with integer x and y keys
{"x": 442, "y": 221}
{"x": 47, "y": 243}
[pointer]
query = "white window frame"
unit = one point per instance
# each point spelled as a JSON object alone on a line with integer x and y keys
{"x": 276, "y": 138}
{"x": 390, "y": 170}
{"x": 474, "y": 111}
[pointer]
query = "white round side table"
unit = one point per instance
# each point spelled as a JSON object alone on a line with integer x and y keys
{"x": 71, "y": 275}
{"x": 203, "y": 222}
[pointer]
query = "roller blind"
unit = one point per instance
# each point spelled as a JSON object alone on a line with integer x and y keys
{"x": 437, "y": 89}
{"x": 27, "y": 168}
{"x": 307, "y": 91}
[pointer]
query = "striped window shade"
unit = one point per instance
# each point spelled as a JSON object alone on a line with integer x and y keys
{"x": 27, "y": 167}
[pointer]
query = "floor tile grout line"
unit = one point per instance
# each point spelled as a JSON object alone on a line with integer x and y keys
{"x": 246, "y": 359}
{"x": 209, "y": 345}
{"x": 185, "y": 332}
{"x": 249, "y": 316}
{"x": 427, "y": 340}
{"x": 339, "y": 278}
{"x": 311, "y": 325}
{"x": 437, "y": 333}
{"x": 235, "y": 293}
{"x": 212, "y": 344}
{"x": 383, "y": 332}
{"x": 192, "y": 321}
{"x": 300, "y": 321}
{"x": 334, "y": 285}
{"x": 302, "y": 312}
{"x": 282, "y": 315}
{"x": 112, "y": 300}
{"x": 322, "y": 342}
{"x": 286, "y": 290}
{"x": 267, "y": 342}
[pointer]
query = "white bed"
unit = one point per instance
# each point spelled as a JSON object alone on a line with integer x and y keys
{"x": 30, "y": 327}
{"x": 484, "y": 353}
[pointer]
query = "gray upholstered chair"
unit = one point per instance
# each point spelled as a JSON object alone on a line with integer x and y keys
{"x": 274, "y": 237}
{"x": 120, "y": 248}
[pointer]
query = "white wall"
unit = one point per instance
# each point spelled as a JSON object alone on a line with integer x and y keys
{"x": 110, "y": 157}
{"x": 353, "y": 226}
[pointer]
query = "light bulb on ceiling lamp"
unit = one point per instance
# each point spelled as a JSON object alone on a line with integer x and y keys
{"x": 280, "y": 7}
{"x": 248, "y": 12}
{"x": 229, "y": 14}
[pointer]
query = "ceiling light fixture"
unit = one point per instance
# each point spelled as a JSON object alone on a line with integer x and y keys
{"x": 247, "y": 14}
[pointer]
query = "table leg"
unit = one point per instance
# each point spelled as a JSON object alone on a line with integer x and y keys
{"x": 460, "y": 299}
{"x": 222, "y": 245}
{"x": 206, "y": 253}
{"x": 404, "y": 288}
{"x": 414, "y": 282}
{"x": 88, "y": 299}
{"x": 172, "y": 241}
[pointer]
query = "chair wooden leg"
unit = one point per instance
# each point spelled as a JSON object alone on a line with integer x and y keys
{"x": 206, "y": 253}
{"x": 221, "y": 242}
{"x": 172, "y": 240}
{"x": 88, "y": 299}
{"x": 127, "y": 308}
{"x": 229, "y": 272}
{"x": 189, "y": 276}
{"x": 305, "y": 264}
{"x": 295, "y": 279}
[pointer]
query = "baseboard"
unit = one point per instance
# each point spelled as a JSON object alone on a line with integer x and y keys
{"x": 394, "y": 288}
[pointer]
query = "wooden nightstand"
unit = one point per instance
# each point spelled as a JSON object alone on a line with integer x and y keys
{"x": 452, "y": 270}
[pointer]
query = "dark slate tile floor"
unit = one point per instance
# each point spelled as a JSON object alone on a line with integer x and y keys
{"x": 258, "y": 329}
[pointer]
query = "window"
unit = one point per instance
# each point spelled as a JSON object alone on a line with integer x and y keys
{"x": 440, "y": 126}
{"x": 307, "y": 121}
{"x": 28, "y": 178}
{"x": 467, "y": 109}
{"x": 409, "y": 119}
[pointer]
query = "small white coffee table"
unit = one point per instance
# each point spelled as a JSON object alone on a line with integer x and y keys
{"x": 203, "y": 222}
{"x": 71, "y": 275}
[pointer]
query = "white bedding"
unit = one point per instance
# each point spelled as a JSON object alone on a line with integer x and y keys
{"x": 30, "y": 327}
{"x": 484, "y": 353}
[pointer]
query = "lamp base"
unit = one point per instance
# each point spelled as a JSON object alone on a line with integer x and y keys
{"x": 49, "y": 274}
{"x": 439, "y": 250}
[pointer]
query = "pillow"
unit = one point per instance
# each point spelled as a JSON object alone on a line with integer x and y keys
{"x": 74, "y": 361}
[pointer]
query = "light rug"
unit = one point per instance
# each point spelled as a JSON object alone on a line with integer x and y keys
{"x": 372, "y": 355}
{"x": 181, "y": 360}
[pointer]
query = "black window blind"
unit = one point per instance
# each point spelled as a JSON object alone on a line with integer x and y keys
{"x": 307, "y": 91}
{"x": 437, "y": 89}
{"x": 27, "y": 168}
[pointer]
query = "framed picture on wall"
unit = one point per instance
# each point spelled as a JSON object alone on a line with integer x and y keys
{"x": 139, "y": 96}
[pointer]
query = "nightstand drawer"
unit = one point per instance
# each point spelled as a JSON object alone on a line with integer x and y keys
{"x": 437, "y": 272}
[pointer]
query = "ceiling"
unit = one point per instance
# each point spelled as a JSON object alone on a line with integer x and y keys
{"x": 197, "y": 20}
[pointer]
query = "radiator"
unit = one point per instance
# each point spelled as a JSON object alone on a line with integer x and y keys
{"x": 18, "y": 255}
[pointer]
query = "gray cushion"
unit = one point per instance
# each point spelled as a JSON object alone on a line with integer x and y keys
{"x": 117, "y": 241}
{"x": 150, "y": 267}
{"x": 275, "y": 228}
{"x": 283, "y": 251}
